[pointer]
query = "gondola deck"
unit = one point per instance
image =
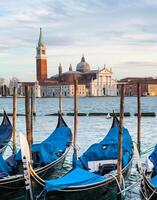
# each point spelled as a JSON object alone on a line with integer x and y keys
{"x": 93, "y": 190}
{"x": 13, "y": 185}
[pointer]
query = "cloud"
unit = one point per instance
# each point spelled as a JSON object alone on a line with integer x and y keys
{"x": 140, "y": 64}
{"x": 119, "y": 29}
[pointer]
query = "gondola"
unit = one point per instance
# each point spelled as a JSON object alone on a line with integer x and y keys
{"x": 47, "y": 157}
{"x": 94, "y": 174}
{"x": 149, "y": 177}
{"x": 6, "y": 130}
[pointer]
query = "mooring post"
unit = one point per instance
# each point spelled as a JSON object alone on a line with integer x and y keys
{"x": 139, "y": 117}
{"x": 120, "y": 139}
{"x": 60, "y": 101}
{"x": 33, "y": 108}
{"x": 14, "y": 118}
{"x": 28, "y": 115}
{"x": 75, "y": 116}
{"x": 32, "y": 112}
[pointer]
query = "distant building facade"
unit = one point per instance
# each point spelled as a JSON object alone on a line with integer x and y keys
{"x": 4, "y": 89}
{"x": 34, "y": 85}
{"x": 148, "y": 86}
{"x": 90, "y": 82}
{"x": 103, "y": 84}
{"x": 63, "y": 90}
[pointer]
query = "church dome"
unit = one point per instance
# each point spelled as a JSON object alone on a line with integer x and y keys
{"x": 83, "y": 66}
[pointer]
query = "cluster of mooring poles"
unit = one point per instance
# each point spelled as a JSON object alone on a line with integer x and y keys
{"x": 30, "y": 113}
{"x": 119, "y": 164}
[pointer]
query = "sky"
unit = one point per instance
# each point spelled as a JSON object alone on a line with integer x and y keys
{"x": 122, "y": 34}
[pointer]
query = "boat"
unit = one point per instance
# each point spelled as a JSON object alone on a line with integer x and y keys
{"x": 94, "y": 174}
{"x": 48, "y": 157}
{"x": 149, "y": 177}
{"x": 108, "y": 116}
{"x": 6, "y": 130}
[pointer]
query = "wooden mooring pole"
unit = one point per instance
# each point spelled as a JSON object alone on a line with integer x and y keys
{"x": 33, "y": 108}
{"x": 120, "y": 139}
{"x": 139, "y": 117}
{"x": 75, "y": 116}
{"x": 28, "y": 115}
{"x": 32, "y": 112}
{"x": 14, "y": 118}
{"x": 60, "y": 101}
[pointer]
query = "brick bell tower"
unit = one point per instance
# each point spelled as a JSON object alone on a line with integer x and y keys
{"x": 41, "y": 59}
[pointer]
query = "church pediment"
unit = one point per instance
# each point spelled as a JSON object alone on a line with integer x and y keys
{"x": 105, "y": 71}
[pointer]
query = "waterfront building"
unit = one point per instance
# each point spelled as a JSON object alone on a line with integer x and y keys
{"x": 4, "y": 89}
{"x": 148, "y": 86}
{"x": 90, "y": 82}
{"x": 13, "y": 83}
{"x": 35, "y": 85}
{"x": 63, "y": 90}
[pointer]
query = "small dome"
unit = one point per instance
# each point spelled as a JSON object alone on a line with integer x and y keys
{"x": 83, "y": 66}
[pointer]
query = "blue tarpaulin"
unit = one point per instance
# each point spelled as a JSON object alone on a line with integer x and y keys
{"x": 153, "y": 158}
{"x": 48, "y": 150}
{"x": 51, "y": 148}
{"x": 5, "y": 133}
{"x": 5, "y": 169}
{"x": 153, "y": 181}
{"x": 76, "y": 177}
{"x": 107, "y": 149}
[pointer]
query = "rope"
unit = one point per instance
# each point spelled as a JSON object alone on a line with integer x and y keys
{"x": 125, "y": 189}
{"x": 149, "y": 196}
{"x": 146, "y": 151}
{"x": 116, "y": 182}
{"x": 77, "y": 147}
{"x": 42, "y": 193}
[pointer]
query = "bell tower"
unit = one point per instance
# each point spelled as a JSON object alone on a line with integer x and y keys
{"x": 41, "y": 59}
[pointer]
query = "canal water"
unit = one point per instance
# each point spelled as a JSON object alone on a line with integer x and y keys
{"x": 91, "y": 129}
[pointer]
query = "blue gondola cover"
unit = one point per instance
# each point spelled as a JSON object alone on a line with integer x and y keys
{"x": 51, "y": 148}
{"x": 107, "y": 149}
{"x": 5, "y": 131}
{"x": 5, "y": 169}
{"x": 153, "y": 181}
{"x": 76, "y": 177}
{"x": 153, "y": 158}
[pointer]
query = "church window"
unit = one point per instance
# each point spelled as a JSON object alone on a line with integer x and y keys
{"x": 43, "y": 51}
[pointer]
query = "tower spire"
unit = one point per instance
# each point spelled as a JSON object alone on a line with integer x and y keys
{"x": 41, "y": 39}
{"x": 41, "y": 59}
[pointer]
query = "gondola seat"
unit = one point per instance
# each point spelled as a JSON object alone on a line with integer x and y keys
{"x": 96, "y": 166}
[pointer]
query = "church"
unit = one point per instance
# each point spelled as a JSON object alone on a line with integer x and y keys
{"x": 97, "y": 82}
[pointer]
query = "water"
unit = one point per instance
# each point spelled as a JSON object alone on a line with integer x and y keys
{"x": 90, "y": 129}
